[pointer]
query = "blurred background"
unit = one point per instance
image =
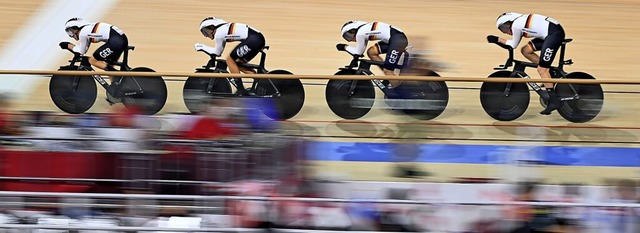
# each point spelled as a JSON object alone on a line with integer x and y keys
{"x": 459, "y": 172}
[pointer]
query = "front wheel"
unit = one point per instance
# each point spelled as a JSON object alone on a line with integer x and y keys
{"x": 589, "y": 102}
{"x": 73, "y": 94}
{"x": 346, "y": 102}
{"x": 424, "y": 100}
{"x": 504, "y": 101}
{"x": 195, "y": 94}
{"x": 290, "y": 99}
{"x": 151, "y": 92}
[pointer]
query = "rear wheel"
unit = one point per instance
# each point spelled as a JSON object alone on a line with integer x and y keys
{"x": 194, "y": 92}
{"x": 152, "y": 92}
{"x": 73, "y": 94}
{"x": 345, "y": 105}
{"x": 589, "y": 104}
{"x": 425, "y": 99}
{"x": 291, "y": 98}
{"x": 504, "y": 101}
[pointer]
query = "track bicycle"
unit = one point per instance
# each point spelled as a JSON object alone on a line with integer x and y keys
{"x": 508, "y": 101}
{"x": 287, "y": 94}
{"x": 77, "y": 93}
{"x": 352, "y": 99}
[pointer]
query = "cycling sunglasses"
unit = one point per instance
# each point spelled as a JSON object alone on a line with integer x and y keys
{"x": 349, "y": 36}
{"x": 206, "y": 32}
{"x": 70, "y": 32}
{"x": 505, "y": 27}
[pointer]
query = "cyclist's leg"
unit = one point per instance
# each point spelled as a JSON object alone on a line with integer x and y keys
{"x": 232, "y": 64}
{"x": 374, "y": 51}
{"x": 397, "y": 46}
{"x": 374, "y": 54}
{"x": 109, "y": 52}
{"x": 548, "y": 52}
{"x": 243, "y": 53}
{"x": 529, "y": 50}
{"x": 99, "y": 60}
{"x": 105, "y": 56}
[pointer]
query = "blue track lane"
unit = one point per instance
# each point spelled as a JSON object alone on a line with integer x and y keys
{"x": 476, "y": 154}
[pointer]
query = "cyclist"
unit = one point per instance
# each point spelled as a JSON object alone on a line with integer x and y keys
{"x": 547, "y": 36}
{"x": 391, "y": 41}
{"x": 220, "y": 31}
{"x": 116, "y": 43}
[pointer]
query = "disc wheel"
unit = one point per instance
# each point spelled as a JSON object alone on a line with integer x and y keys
{"x": 153, "y": 92}
{"x": 589, "y": 103}
{"x": 425, "y": 99}
{"x": 194, "y": 92}
{"x": 291, "y": 98}
{"x": 73, "y": 94}
{"x": 349, "y": 106}
{"x": 501, "y": 104}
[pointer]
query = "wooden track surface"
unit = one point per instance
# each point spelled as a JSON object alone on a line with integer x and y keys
{"x": 303, "y": 34}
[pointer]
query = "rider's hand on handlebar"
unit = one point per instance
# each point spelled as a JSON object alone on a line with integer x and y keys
{"x": 199, "y": 47}
{"x": 492, "y": 39}
{"x": 64, "y": 45}
{"x": 204, "y": 48}
{"x": 341, "y": 47}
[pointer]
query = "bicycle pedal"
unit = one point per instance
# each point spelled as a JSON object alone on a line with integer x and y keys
{"x": 112, "y": 100}
{"x": 244, "y": 93}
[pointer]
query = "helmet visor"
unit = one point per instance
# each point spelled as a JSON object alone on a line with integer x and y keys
{"x": 206, "y": 32}
{"x": 70, "y": 32}
{"x": 505, "y": 27}
{"x": 349, "y": 35}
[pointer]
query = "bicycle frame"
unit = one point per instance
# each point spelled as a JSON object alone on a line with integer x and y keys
{"x": 364, "y": 67}
{"x": 220, "y": 66}
{"x": 520, "y": 66}
{"x": 85, "y": 65}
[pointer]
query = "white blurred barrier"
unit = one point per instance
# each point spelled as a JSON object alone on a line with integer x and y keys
{"x": 333, "y": 200}
{"x": 60, "y": 228}
{"x": 420, "y": 210}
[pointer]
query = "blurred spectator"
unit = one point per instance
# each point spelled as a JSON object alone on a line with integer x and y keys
{"x": 572, "y": 193}
{"x": 174, "y": 217}
{"x": 396, "y": 217}
{"x": 404, "y": 155}
{"x": 7, "y": 125}
{"x": 620, "y": 220}
{"x": 532, "y": 218}
{"x": 124, "y": 117}
{"x": 215, "y": 122}
{"x": 257, "y": 121}
{"x": 40, "y": 118}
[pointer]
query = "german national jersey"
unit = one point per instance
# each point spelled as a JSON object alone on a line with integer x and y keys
{"x": 371, "y": 31}
{"x": 530, "y": 26}
{"x": 93, "y": 33}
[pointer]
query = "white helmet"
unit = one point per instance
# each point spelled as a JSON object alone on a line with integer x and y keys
{"x": 505, "y": 18}
{"x": 210, "y": 23}
{"x": 349, "y": 29}
{"x": 75, "y": 24}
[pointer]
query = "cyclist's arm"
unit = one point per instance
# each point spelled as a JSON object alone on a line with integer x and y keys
{"x": 220, "y": 43}
{"x": 515, "y": 40}
{"x": 361, "y": 44}
{"x": 84, "y": 40}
